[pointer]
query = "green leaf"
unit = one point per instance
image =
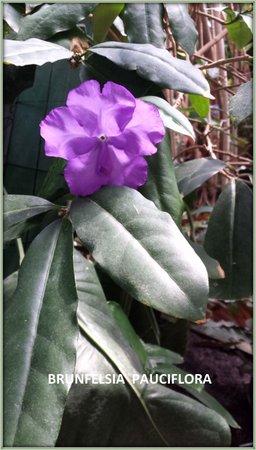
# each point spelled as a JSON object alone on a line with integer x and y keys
{"x": 200, "y": 104}
{"x": 238, "y": 28}
{"x": 9, "y": 286}
{"x": 156, "y": 65}
{"x": 144, "y": 23}
{"x": 12, "y": 16}
{"x": 161, "y": 360}
{"x": 54, "y": 184}
{"x": 128, "y": 331}
{"x": 182, "y": 26}
{"x": 247, "y": 18}
{"x": 115, "y": 411}
{"x": 213, "y": 404}
{"x": 229, "y": 240}
{"x": 33, "y": 51}
{"x": 103, "y": 17}
{"x": 161, "y": 186}
{"x": 213, "y": 267}
{"x": 52, "y": 19}
{"x": 143, "y": 419}
{"x": 99, "y": 68}
{"x": 18, "y": 209}
{"x": 196, "y": 390}
{"x": 192, "y": 174}
{"x": 157, "y": 355}
{"x": 171, "y": 117}
{"x": 97, "y": 321}
{"x": 143, "y": 250}
{"x": 39, "y": 338}
{"x": 241, "y": 104}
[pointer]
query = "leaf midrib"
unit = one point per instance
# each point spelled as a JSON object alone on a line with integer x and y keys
{"x": 48, "y": 265}
{"x": 232, "y": 226}
{"x": 15, "y": 211}
{"x": 138, "y": 243}
{"x": 114, "y": 361}
{"x": 157, "y": 58}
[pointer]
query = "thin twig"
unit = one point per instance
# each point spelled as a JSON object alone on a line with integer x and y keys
{"x": 242, "y": 163}
{"x": 188, "y": 149}
{"x": 227, "y": 61}
{"x": 225, "y": 87}
{"x": 211, "y": 17}
{"x": 243, "y": 158}
{"x": 213, "y": 41}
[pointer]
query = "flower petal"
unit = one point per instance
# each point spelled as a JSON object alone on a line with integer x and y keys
{"x": 84, "y": 103}
{"x": 81, "y": 175}
{"x": 87, "y": 173}
{"x": 105, "y": 113}
{"x": 104, "y": 136}
{"x": 127, "y": 169}
{"x": 119, "y": 104}
{"x": 143, "y": 132}
{"x": 64, "y": 137}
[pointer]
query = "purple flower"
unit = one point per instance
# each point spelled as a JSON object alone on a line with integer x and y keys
{"x": 103, "y": 136}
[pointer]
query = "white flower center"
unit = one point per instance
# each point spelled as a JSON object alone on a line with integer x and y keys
{"x": 102, "y": 137}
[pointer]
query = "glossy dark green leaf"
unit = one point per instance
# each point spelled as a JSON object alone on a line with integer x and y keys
{"x": 213, "y": 267}
{"x": 128, "y": 331}
{"x": 143, "y": 419}
{"x": 172, "y": 117}
{"x": 52, "y": 19}
{"x": 192, "y": 174}
{"x": 207, "y": 399}
{"x": 97, "y": 321}
{"x": 54, "y": 184}
{"x": 106, "y": 336}
{"x": 161, "y": 186}
{"x": 39, "y": 338}
{"x": 143, "y": 250}
{"x": 229, "y": 240}
{"x": 238, "y": 29}
{"x": 33, "y": 51}
{"x": 18, "y": 209}
{"x": 157, "y": 355}
{"x": 99, "y": 68}
{"x": 12, "y": 16}
{"x": 241, "y": 104}
{"x": 161, "y": 360}
{"x": 156, "y": 65}
{"x": 200, "y": 104}
{"x": 19, "y": 229}
{"x": 9, "y": 286}
{"x": 92, "y": 410}
{"x": 103, "y": 17}
{"x": 144, "y": 23}
{"x": 115, "y": 411}
{"x": 182, "y": 26}
{"x": 196, "y": 389}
